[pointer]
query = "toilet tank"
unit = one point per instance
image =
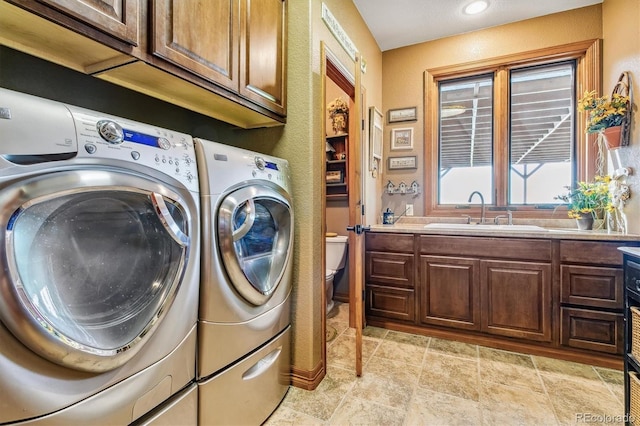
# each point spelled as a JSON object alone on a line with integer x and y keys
{"x": 336, "y": 251}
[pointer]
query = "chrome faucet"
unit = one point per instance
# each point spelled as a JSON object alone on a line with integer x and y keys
{"x": 508, "y": 216}
{"x": 481, "y": 204}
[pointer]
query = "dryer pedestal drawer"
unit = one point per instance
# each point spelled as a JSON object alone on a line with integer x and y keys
{"x": 249, "y": 391}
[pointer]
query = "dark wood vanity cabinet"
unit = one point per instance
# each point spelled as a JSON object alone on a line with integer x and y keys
{"x": 499, "y": 286}
{"x": 591, "y": 296}
{"x": 546, "y": 296}
{"x": 389, "y": 277}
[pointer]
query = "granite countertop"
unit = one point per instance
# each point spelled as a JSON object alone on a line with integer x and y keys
{"x": 633, "y": 251}
{"x": 564, "y": 229}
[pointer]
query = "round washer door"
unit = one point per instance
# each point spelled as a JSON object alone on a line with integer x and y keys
{"x": 94, "y": 260}
{"x": 255, "y": 239}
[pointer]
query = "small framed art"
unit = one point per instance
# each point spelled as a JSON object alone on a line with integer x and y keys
{"x": 403, "y": 114}
{"x": 402, "y": 138}
{"x": 399, "y": 163}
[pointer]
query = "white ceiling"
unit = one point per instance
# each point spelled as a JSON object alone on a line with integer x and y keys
{"x": 397, "y": 23}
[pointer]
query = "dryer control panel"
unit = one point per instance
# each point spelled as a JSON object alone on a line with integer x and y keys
{"x": 223, "y": 166}
{"x": 103, "y": 136}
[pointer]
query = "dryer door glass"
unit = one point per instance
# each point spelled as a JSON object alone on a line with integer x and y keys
{"x": 255, "y": 239}
{"x": 97, "y": 267}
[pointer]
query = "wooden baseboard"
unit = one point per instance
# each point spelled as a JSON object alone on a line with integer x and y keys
{"x": 343, "y": 297}
{"x": 615, "y": 362}
{"x": 307, "y": 379}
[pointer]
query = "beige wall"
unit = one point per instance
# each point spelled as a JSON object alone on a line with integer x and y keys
{"x": 621, "y": 52}
{"x": 302, "y": 143}
{"x": 401, "y": 85}
{"x": 403, "y": 73}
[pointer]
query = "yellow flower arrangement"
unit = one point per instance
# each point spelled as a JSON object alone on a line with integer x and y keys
{"x": 603, "y": 112}
{"x": 589, "y": 197}
{"x": 338, "y": 105}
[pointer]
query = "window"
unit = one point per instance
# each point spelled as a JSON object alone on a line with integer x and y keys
{"x": 507, "y": 128}
{"x": 541, "y": 133}
{"x": 466, "y": 139}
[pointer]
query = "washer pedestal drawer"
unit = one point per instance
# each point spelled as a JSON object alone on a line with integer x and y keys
{"x": 180, "y": 409}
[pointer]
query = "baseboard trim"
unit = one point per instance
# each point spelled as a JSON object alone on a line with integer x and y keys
{"x": 307, "y": 379}
{"x": 586, "y": 357}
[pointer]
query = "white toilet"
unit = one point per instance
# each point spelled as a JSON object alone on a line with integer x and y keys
{"x": 336, "y": 255}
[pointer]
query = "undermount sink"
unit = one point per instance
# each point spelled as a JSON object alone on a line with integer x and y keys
{"x": 485, "y": 226}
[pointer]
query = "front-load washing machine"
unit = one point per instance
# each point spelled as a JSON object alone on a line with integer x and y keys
{"x": 247, "y": 242}
{"x": 99, "y": 254}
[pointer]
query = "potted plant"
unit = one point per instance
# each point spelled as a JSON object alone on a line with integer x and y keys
{"x": 339, "y": 114}
{"x": 605, "y": 115}
{"x": 588, "y": 201}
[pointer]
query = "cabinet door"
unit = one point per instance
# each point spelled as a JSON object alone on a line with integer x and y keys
{"x": 592, "y": 330}
{"x": 516, "y": 299}
{"x": 200, "y": 36}
{"x": 117, "y": 18}
{"x": 263, "y": 52}
{"x": 449, "y": 294}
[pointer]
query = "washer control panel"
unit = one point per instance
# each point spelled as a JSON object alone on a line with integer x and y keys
{"x": 167, "y": 151}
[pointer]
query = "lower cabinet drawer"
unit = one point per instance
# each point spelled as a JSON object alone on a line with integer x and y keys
{"x": 395, "y": 269}
{"x": 393, "y": 303}
{"x": 592, "y": 330}
{"x": 590, "y": 286}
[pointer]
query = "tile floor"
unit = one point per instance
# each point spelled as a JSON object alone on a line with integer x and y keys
{"x": 416, "y": 380}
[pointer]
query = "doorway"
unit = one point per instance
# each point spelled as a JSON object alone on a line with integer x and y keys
{"x": 342, "y": 204}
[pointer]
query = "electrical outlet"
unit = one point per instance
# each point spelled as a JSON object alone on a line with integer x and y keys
{"x": 409, "y": 209}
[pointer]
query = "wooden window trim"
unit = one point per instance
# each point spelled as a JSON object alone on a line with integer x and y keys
{"x": 587, "y": 55}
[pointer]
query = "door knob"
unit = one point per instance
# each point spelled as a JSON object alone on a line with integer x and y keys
{"x": 359, "y": 229}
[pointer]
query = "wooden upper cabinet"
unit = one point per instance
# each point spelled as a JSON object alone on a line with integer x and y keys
{"x": 263, "y": 53}
{"x": 238, "y": 44}
{"x": 201, "y": 36}
{"x": 117, "y": 18}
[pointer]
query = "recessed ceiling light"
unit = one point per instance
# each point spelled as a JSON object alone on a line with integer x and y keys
{"x": 476, "y": 7}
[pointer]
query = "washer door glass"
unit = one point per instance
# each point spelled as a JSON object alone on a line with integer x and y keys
{"x": 255, "y": 239}
{"x": 94, "y": 270}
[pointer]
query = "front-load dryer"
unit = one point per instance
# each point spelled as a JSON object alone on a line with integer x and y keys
{"x": 247, "y": 243}
{"x": 100, "y": 256}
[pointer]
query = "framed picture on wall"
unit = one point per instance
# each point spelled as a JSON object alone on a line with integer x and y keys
{"x": 399, "y": 163}
{"x": 375, "y": 135}
{"x": 403, "y": 114}
{"x": 402, "y": 138}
